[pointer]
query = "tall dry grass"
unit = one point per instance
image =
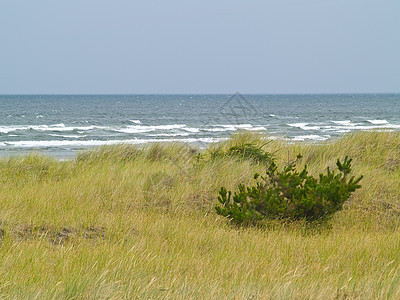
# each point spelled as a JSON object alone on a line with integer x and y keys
{"x": 124, "y": 222}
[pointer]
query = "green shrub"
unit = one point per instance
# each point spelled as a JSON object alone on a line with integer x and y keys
{"x": 289, "y": 194}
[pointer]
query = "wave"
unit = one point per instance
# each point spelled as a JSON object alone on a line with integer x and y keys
{"x": 191, "y": 129}
{"x": 169, "y": 134}
{"x": 61, "y": 135}
{"x": 68, "y": 136}
{"x": 89, "y": 143}
{"x": 304, "y": 126}
{"x": 233, "y": 127}
{"x": 378, "y": 122}
{"x": 313, "y": 137}
{"x": 130, "y": 129}
{"x": 360, "y": 127}
{"x": 347, "y": 126}
{"x": 55, "y": 127}
{"x": 242, "y": 126}
{"x": 347, "y": 122}
{"x": 148, "y": 128}
{"x": 215, "y": 128}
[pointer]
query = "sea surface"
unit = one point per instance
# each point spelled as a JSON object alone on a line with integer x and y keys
{"x": 62, "y": 125}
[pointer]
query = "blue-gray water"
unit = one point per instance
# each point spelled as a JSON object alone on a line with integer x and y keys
{"x": 62, "y": 125}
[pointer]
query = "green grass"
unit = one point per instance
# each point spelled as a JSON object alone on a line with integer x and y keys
{"x": 124, "y": 222}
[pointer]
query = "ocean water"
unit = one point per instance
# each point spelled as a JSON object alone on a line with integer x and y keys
{"x": 62, "y": 125}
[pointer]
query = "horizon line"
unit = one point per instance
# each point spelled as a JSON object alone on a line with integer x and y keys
{"x": 197, "y": 94}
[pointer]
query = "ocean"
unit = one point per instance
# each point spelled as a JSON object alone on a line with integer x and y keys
{"x": 62, "y": 125}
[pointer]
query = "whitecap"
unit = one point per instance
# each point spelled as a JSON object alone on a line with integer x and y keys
{"x": 90, "y": 143}
{"x": 218, "y": 129}
{"x": 55, "y": 127}
{"x": 145, "y": 128}
{"x": 232, "y": 127}
{"x": 60, "y": 127}
{"x": 135, "y": 121}
{"x": 313, "y": 137}
{"x": 346, "y": 122}
{"x": 300, "y": 125}
{"x": 374, "y": 127}
{"x": 260, "y": 128}
{"x": 378, "y": 122}
{"x": 190, "y": 129}
{"x": 243, "y": 126}
{"x": 304, "y": 126}
{"x": 68, "y": 136}
{"x": 8, "y": 129}
{"x": 169, "y": 134}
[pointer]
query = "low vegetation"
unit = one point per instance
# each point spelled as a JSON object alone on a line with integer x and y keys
{"x": 140, "y": 223}
{"x": 289, "y": 195}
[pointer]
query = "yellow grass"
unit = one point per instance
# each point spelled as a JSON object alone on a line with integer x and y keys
{"x": 123, "y": 222}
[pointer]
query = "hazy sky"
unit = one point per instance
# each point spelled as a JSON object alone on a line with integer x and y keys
{"x": 208, "y": 46}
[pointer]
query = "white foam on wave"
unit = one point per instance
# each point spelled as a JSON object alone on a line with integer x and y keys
{"x": 304, "y": 126}
{"x": 59, "y": 127}
{"x": 313, "y": 137}
{"x": 7, "y": 129}
{"x": 68, "y": 136}
{"x": 259, "y": 128}
{"x": 234, "y": 127}
{"x": 169, "y": 134}
{"x": 145, "y": 128}
{"x": 135, "y": 121}
{"x": 55, "y": 127}
{"x": 131, "y": 129}
{"x": 347, "y": 126}
{"x": 346, "y": 122}
{"x": 378, "y": 122}
{"x": 219, "y": 129}
{"x": 298, "y": 124}
{"x": 91, "y": 143}
{"x": 215, "y": 128}
{"x": 191, "y": 129}
{"x": 359, "y": 127}
{"x": 53, "y": 143}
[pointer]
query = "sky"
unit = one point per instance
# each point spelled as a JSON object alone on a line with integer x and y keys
{"x": 199, "y": 47}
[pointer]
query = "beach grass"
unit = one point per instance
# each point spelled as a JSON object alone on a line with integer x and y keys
{"x": 124, "y": 222}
